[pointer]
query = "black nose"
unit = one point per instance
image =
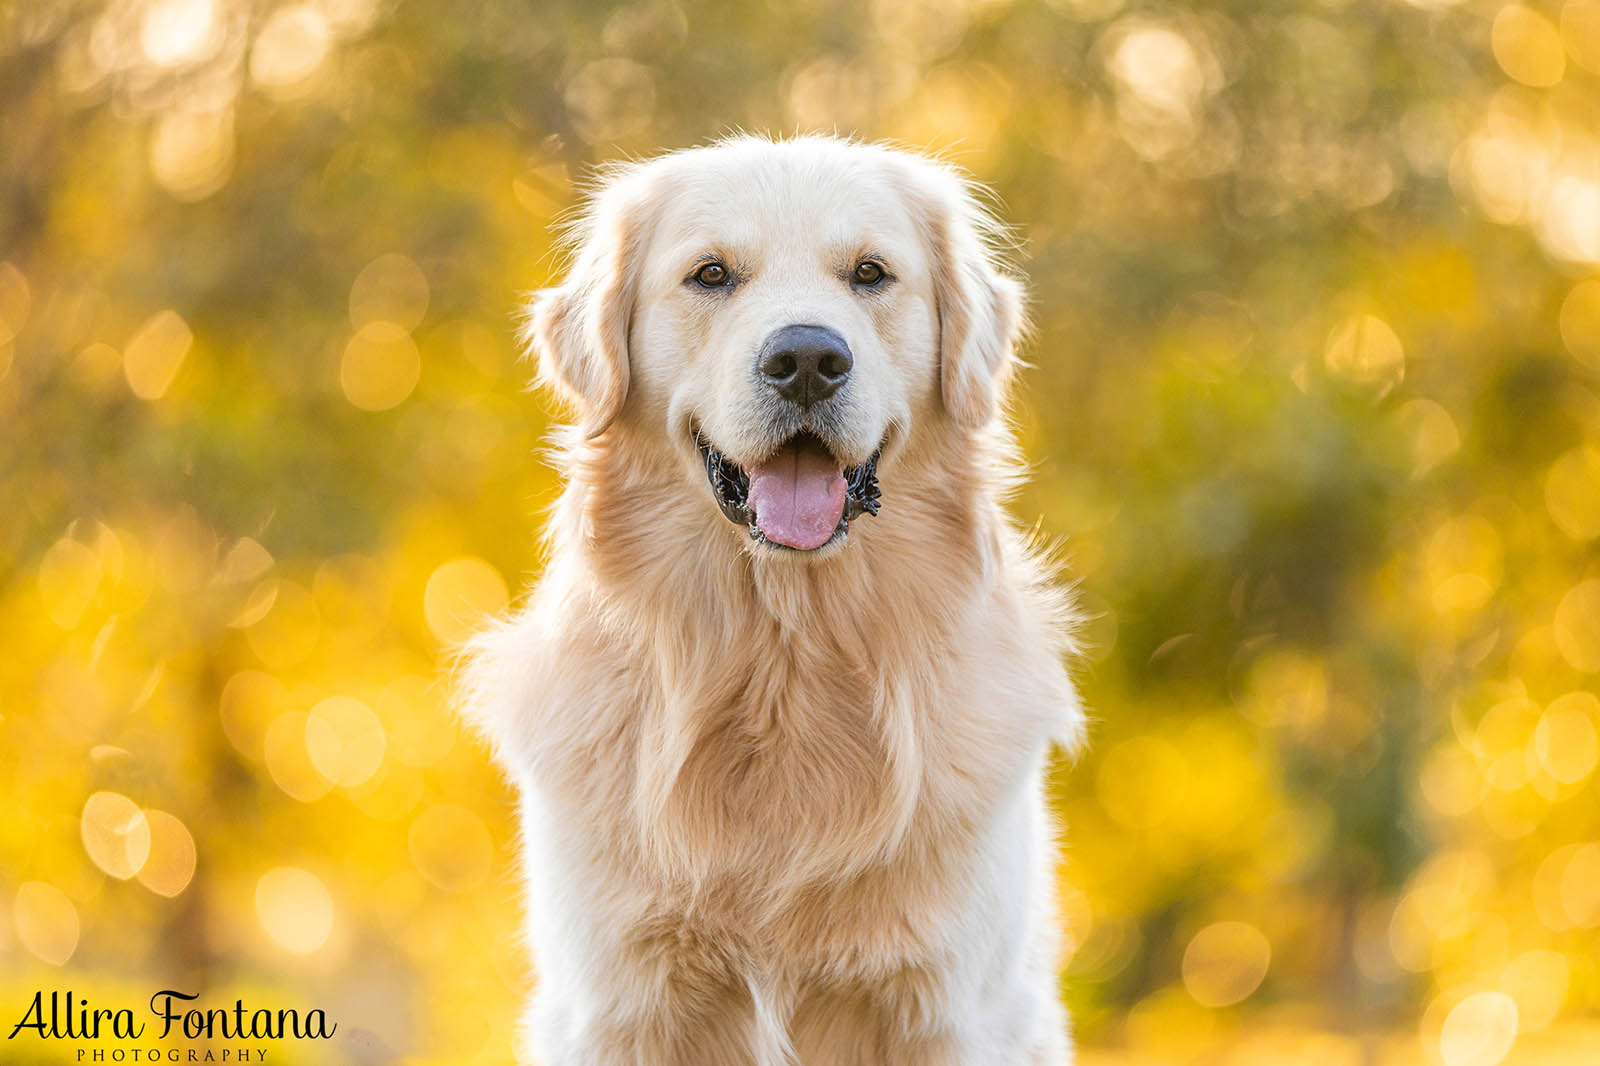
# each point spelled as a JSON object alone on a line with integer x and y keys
{"x": 805, "y": 364}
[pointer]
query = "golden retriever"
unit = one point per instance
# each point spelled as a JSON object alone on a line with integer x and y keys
{"x": 779, "y": 706}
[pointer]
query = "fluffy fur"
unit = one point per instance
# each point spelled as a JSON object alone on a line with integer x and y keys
{"x": 783, "y": 807}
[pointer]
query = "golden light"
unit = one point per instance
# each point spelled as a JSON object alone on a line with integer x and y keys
{"x": 1225, "y": 962}
{"x": 175, "y": 32}
{"x": 46, "y": 922}
{"x": 451, "y": 847}
{"x": 352, "y": 594}
{"x": 1506, "y": 168}
{"x": 1479, "y": 1031}
{"x": 284, "y": 750}
{"x": 347, "y": 17}
{"x": 250, "y": 701}
{"x": 1163, "y": 79}
{"x": 290, "y": 629}
{"x": 1450, "y": 781}
{"x": 97, "y": 369}
{"x": 16, "y": 299}
{"x": 1572, "y": 493}
{"x": 1569, "y": 222}
{"x": 1288, "y": 690}
{"x": 611, "y": 99}
{"x": 1527, "y": 46}
{"x": 246, "y": 560}
{"x": 1159, "y": 66}
{"x": 390, "y": 794}
{"x": 1577, "y": 626}
{"x": 460, "y": 595}
{"x": 920, "y": 32}
{"x": 1447, "y": 891}
{"x": 1546, "y": 885}
{"x": 1142, "y": 781}
{"x": 1537, "y": 981}
{"x": 1580, "y": 32}
{"x": 954, "y": 102}
{"x": 1580, "y": 886}
{"x": 175, "y": 661}
{"x": 295, "y": 909}
{"x": 1580, "y": 319}
{"x": 192, "y": 152}
{"x": 380, "y": 367}
{"x": 115, "y": 833}
{"x": 345, "y": 740}
{"x": 1433, "y": 434}
{"x": 1168, "y": 1025}
{"x": 155, "y": 353}
{"x": 108, "y": 755}
{"x": 170, "y": 867}
{"x": 69, "y": 577}
{"x": 1364, "y": 350}
{"x": 256, "y": 605}
{"x": 290, "y": 48}
{"x": 421, "y": 730}
{"x": 1565, "y": 740}
{"x": 1500, "y": 742}
{"x": 108, "y": 548}
{"x": 391, "y": 288}
{"x": 829, "y": 88}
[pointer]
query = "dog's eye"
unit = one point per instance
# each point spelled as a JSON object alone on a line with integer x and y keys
{"x": 867, "y": 273}
{"x": 712, "y": 275}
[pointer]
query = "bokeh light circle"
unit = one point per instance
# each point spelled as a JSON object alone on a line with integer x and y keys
{"x": 170, "y": 867}
{"x": 459, "y": 597}
{"x": 1365, "y": 351}
{"x": 392, "y": 288}
{"x": 1577, "y": 626}
{"x": 380, "y": 367}
{"x": 290, "y": 48}
{"x": 69, "y": 576}
{"x": 345, "y": 740}
{"x": 115, "y": 833}
{"x": 46, "y": 922}
{"x": 1225, "y": 962}
{"x": 288, "y": 761}
{"x": 295, "y": 909}
{"x": 1572, "y": 493}
{"x": 1566, "y": 741}
{"x": 1479, "y": 1031}
{"x": 1527, "y": 46}
{"x": 155, "y": 353}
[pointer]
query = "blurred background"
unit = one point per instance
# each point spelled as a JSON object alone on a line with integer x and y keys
{"x": 1314, "y": 411}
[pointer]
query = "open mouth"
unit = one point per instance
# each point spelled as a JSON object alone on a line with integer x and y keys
{"x": 799, "y": 497}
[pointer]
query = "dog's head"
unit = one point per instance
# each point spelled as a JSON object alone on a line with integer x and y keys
{"x": 789, "y": 315}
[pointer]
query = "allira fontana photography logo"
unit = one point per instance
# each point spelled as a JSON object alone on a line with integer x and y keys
{"x": 172, "y": 1016}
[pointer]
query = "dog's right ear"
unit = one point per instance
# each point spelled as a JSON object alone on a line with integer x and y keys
{"x": 578, "y": 330}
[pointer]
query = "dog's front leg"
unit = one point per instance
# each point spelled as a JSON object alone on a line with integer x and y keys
{"x": 624, "y": 1015}
{"x": 871, "y": 1028}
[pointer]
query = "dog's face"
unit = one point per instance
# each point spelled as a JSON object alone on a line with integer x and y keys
{"x": 789, "y": 315}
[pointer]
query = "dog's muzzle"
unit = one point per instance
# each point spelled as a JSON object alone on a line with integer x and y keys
{"x": 731, "y": 486}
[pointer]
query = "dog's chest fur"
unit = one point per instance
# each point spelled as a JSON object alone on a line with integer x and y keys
{"x": 786, "y": 797}
{"x": 793, "y": 790}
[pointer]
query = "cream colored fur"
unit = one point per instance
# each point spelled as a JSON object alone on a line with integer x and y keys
{"x": 783, "y": 807}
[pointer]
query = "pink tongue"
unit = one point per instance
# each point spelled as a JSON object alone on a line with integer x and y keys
{"x": 798, "y": 495}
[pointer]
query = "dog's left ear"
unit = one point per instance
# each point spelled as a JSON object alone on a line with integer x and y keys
{"x": 980, "y": 308}
{"x": 578, "y": 330}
